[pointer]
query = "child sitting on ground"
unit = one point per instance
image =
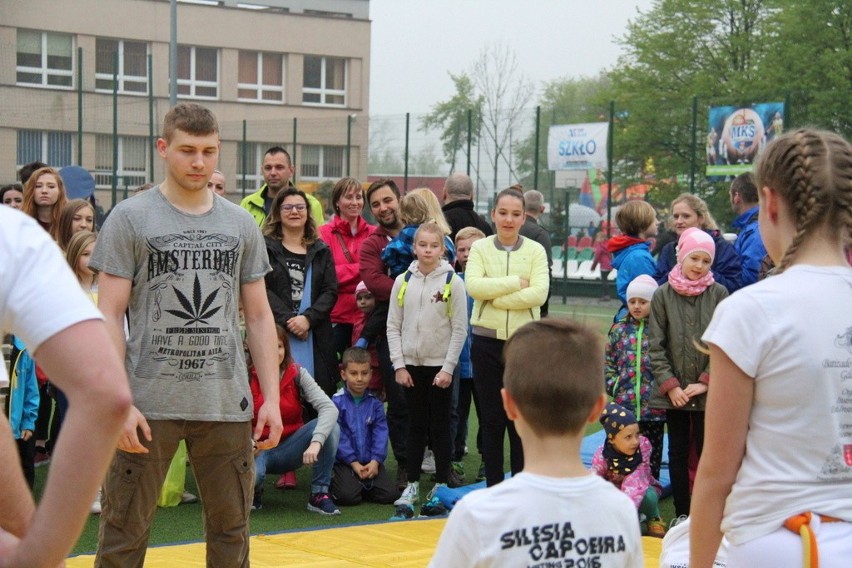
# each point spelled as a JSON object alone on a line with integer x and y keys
{"x": 359, "y": 472}
{"x": 624, "y": 460}
{"x": 555, "y": 512}
{"x": 629, "y": 380}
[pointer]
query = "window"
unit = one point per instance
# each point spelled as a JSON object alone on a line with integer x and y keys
{"x": 254, "y": 161}
{"x": 54, "y": 148}
{"x": 324, "y": 81}
{"x": 132, "y": 65}
{"x": 261, "y": 77}
{"x": 45, "y": 59}
{"x": 132, "y": 168}
{"x": 322, "y": 162}
{"x": 198, "y": 72}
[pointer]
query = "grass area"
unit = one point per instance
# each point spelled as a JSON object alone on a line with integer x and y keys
{"x": 285, "y": 510}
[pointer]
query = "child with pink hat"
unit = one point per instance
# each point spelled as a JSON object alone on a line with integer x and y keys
{"x": 683, "y": 308}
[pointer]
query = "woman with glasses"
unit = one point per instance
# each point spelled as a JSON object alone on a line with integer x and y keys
{"x": 302, "y": 287}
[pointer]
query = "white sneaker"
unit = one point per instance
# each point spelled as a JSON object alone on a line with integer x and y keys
{"x": 428, "y": 465}
{"x": 96, "y": 505}
{"x": 677, "y": 521}
{"x": 409, "y": 495}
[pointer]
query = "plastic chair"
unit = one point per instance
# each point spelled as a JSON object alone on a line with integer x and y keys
{"x": 573, "y": 268}
{"x": 572, "y": 240}
{"x": 585, "y": 242}
{"x": 570, "y": 253}
{"x": 585, "y": 254}
{"x": 556, "y": 252}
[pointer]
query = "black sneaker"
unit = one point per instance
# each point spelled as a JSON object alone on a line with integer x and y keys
{"x": 256, "y": 503}
{"x": 433, "y": 508}
{"x": 321, "y": 503}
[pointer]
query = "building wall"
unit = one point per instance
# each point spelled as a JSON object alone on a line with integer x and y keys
{"x": 285, "y": 29}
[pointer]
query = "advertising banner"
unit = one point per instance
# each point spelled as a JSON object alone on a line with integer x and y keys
{"x": 577, "y": 146}
{"x": 736, "y": 134}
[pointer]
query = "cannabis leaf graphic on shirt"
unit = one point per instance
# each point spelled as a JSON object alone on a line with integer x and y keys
{"x": 195, "y": 312}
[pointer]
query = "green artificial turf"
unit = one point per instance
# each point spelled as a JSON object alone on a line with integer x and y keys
{"x": 285, "y": 510}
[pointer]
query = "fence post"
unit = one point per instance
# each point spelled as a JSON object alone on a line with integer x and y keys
{"x": 693, "y": 148}
{"x": 293, "y": 153}
{"x": 609, "y": 160}
{"x": 469, "y": 137}
{"x": 245, "y": 157}
{"x": 151, "y": 134}
{"x": 348, "y": 143}
{"x": 79, "y": 106}
{"x": 537, "y": 137}
{"x": 405, "y": 178}
{"x": 115, "y": 129}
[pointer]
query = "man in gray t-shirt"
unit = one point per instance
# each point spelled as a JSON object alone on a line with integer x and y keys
{"x": 181, "y": 260}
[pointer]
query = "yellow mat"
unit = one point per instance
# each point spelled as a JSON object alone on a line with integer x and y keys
{"x": 397, "y": 544}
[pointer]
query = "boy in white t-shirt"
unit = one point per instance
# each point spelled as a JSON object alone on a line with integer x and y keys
{"x": 555, "y": 512}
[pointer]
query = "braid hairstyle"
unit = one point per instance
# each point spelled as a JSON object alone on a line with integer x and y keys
{"x": 812, "y": 172}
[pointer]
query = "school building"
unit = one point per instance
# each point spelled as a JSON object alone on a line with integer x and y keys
{"x": 87, "y": 82}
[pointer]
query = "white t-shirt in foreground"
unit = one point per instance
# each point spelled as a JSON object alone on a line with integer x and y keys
{"x": 793, "y": 334}
{"x": 39, "y": 295}
{"x": 542, "y": 522}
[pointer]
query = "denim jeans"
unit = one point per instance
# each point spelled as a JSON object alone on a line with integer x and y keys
{"x": 287, "y": 456}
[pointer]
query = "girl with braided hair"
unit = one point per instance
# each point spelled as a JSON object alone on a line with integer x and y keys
{"x": 776, "y": 471}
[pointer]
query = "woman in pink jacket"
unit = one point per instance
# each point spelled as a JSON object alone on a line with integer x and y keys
{"x": 343, "y": 234}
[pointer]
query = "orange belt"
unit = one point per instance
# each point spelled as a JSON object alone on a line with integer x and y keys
{"x": 801, "y": 524}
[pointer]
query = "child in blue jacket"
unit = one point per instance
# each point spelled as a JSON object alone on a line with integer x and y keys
{"x": 359, "y": 472}
{"x": 23, "y": 406}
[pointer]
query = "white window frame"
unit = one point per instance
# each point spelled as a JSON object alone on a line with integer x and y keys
{"x": 129, "y": 177}
{"x": 322, "y": 165}
{"x": 121, "y": 75}
{"x": 44, "y": 70}
{"x": 323, "y": 91}
{"x": 194, "y": 83}
{"x": 260, "y": 87}
{"x": 45, "y": 154}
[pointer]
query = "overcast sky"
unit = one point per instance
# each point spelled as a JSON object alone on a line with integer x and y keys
{"x": 416, "y": 42}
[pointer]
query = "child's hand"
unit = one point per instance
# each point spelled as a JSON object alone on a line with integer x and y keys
{"x": 26, "y": 435}
{"x": 311, "y": 454}
{"x": 678, "y": 397}
{"x": 525, "y": 283}
{"x": 359, "y": 469}
{"x": 695, "y": 389}
{"x": 371, "y": 470}
{"x": 442, "y": 380}
{"x": 403, "y": 378}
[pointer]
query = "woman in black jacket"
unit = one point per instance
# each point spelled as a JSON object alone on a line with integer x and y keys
{"x": 302, "y": 287}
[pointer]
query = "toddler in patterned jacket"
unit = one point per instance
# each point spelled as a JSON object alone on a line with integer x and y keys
{"x": 628, "y": 366}
{"x": 624, "y": 460}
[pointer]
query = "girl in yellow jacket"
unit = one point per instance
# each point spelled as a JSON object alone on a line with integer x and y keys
{"x": 507, "y": 278}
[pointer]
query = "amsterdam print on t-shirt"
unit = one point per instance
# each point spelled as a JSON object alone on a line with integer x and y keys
{"x": 184, "y": 355}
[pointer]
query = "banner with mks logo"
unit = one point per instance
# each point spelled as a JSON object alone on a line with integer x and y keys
{"x": 577, "y": 146}
{"x": 736, "y": 135}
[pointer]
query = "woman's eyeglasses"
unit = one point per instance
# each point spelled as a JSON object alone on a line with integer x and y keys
{"x": 290, "y": 206}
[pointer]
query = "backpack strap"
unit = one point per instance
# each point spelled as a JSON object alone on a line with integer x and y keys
{"x": 400, "y": 298}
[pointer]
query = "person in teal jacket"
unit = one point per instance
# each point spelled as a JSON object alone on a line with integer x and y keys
{"x": 22, "y": 406}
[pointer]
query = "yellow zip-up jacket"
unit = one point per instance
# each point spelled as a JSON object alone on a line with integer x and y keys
{"x": 493, "y": 279}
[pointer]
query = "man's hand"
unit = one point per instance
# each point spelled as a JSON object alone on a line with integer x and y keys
{"x": 129, "y": 440}
{"x": 299, "y": 326}
{"x": 269, "y": 414}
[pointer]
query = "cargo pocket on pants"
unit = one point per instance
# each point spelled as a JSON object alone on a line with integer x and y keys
{"x": 244, "y": 469}
{"x": 121, "y": 488}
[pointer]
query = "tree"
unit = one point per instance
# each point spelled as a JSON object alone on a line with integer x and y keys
{"x": 451, "y": 117}
{"x": 677, "y": 50}
{"x": 505, "y": 93}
